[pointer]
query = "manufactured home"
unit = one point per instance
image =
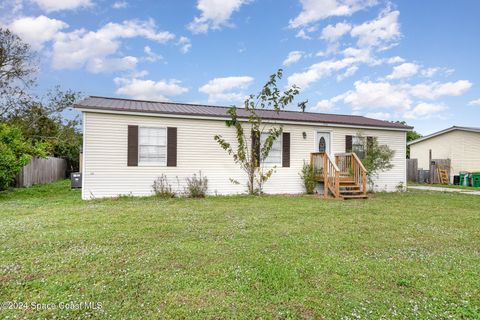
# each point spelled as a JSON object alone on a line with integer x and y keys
{"x": 459, "y": 144}
{"x": 129, "y": 143}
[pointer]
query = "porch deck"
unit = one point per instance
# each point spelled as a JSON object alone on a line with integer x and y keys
{"x": 343, "y": 178}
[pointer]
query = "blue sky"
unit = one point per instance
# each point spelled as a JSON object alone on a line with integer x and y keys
{"x": 395, "y": 60}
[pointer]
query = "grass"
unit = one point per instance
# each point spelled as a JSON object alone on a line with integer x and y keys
{"x": 409, "y": 255}
{"x": 445, "y": 186}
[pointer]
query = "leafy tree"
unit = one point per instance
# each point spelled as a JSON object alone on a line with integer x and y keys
{"x": 411, "y": 135}
{"x": 43, "y": 120}
{"x": 250, "y": 126}
{"x": 377, "y": 158}
{"x": 17, "y": 71}
{"x": 15, "y": 152}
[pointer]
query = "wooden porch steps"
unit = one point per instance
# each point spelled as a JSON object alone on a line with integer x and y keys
{"x": 350, "y": 190}
{"x": 344, "y": 178}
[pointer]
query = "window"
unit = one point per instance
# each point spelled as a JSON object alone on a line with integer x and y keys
{"x": 152, "y": 146}
{"x": 275, "y": 154}
{"x": 359, "y": 146}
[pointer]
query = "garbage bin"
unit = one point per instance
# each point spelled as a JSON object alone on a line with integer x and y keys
{"x": 76, "y": 180}
{"x": 476, "y": 179}
{"x": 466, "y": 179}
{"x": 456, "y": 180}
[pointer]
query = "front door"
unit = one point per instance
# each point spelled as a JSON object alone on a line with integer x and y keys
{"x": 323, "y": 142}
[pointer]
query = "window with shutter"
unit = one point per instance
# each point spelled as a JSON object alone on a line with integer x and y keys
{"x": 275, "y": 154}
{"x": 152, "y": 146}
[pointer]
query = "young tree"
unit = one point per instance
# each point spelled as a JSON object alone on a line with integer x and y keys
{"x": 250, "y": 127}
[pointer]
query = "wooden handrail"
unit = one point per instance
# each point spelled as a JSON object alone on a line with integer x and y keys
{"x": 322, "y": 162}
{"x": 333, "y": 163}
{"x": 359, "y": 162}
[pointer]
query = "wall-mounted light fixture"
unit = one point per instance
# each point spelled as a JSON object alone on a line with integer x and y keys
{"x": 304, "y": 134}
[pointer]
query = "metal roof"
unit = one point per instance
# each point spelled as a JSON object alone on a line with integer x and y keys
{"x": 470, "y": 129}
{"x": 142, "y": 106}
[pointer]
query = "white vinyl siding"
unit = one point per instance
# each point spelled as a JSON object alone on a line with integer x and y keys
{"x": 275, "y": 154}
{"x": 106, "y": 174}
{"x": 461, "y": 147}
{"x": 152, "y": 146}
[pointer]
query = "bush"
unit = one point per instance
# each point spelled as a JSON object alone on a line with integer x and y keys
{"x": 162, "y": 188}
{"x": 15, "y": 152}
{"x": 308, "y": 177}
{"x": 196, "y": 186}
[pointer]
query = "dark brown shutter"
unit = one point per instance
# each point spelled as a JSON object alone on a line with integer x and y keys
{"x": 286, "y": 149}
{"x": 256, "y": 147}
{"x": 171, "y": 147}
{"x": 132, "y": 146}
{"x": 348, "y": 143}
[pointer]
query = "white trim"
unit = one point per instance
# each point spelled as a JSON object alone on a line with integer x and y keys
{"x": 84, "y": 144}
{"x": 152, "y": 164}
{"x": 477, "y": 130}
{"x": 304, "y": 123}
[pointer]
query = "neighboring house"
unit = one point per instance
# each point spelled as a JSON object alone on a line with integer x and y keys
{"x": 128, "y": 144}
{"x": 459, "y": 144}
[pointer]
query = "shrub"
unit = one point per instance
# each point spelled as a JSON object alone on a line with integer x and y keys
{"x": 15, "y": 152}
{"x": 196, "y": 186}
{"x": 162, "y": 188}
{"x": 308, "y": 177}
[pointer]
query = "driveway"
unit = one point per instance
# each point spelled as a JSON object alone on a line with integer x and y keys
{"x": 428, "y": 188}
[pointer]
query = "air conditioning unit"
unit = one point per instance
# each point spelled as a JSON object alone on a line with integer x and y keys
{"x": 76, "y": 180}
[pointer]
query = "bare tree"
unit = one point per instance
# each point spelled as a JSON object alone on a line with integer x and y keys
{"x": 18, "y": 67}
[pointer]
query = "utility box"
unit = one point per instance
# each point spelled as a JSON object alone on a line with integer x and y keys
{"x": 76, "y": 180}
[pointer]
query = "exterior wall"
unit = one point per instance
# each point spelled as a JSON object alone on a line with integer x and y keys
{"x": 461, "y": 147}
{"x": 105, "y": 171}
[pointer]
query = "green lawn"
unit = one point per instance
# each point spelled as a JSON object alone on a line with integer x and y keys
{"x": 413, "y": 255}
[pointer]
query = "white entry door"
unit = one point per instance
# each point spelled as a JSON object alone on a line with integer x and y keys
{"x": 323, "y": 142}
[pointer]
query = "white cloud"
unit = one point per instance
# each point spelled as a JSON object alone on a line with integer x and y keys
{"x": 379, "y": 115}
{"x": 149, "y": 89}
{"x": 395, "y": 60}
{"x": 315, "y": 10}
{"x": 429, "y": 72}
{"x": 425, "y": 111}
{"x": 151, "y": 56}
{"x": 184, "y": 44}
{"x": 381, "y": 32}
{"x": 332, "y": 33}
{"x": 474, "y": 103}
{"x": 370, "y": 95}
{"x": 37, "y": 30}
{"x": 325, "y": 68}
{"x": 120, "y": 5}
{"x": 350, "y": 72}
{"x": 215, "y": 14}
{"x": 302, "y": 35}
{"x": 81, "y": 47}
{"x": 227, "y": 89}
{"x": 435, "y": 90}
{"x": 400, "y": 98}
{"x": 99, "y": 65}
{"x": 293, "y": 56}
{"x": 323, "y": 105}
{"x": 58, "y": 5}
{"x": 404, "y": 70}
